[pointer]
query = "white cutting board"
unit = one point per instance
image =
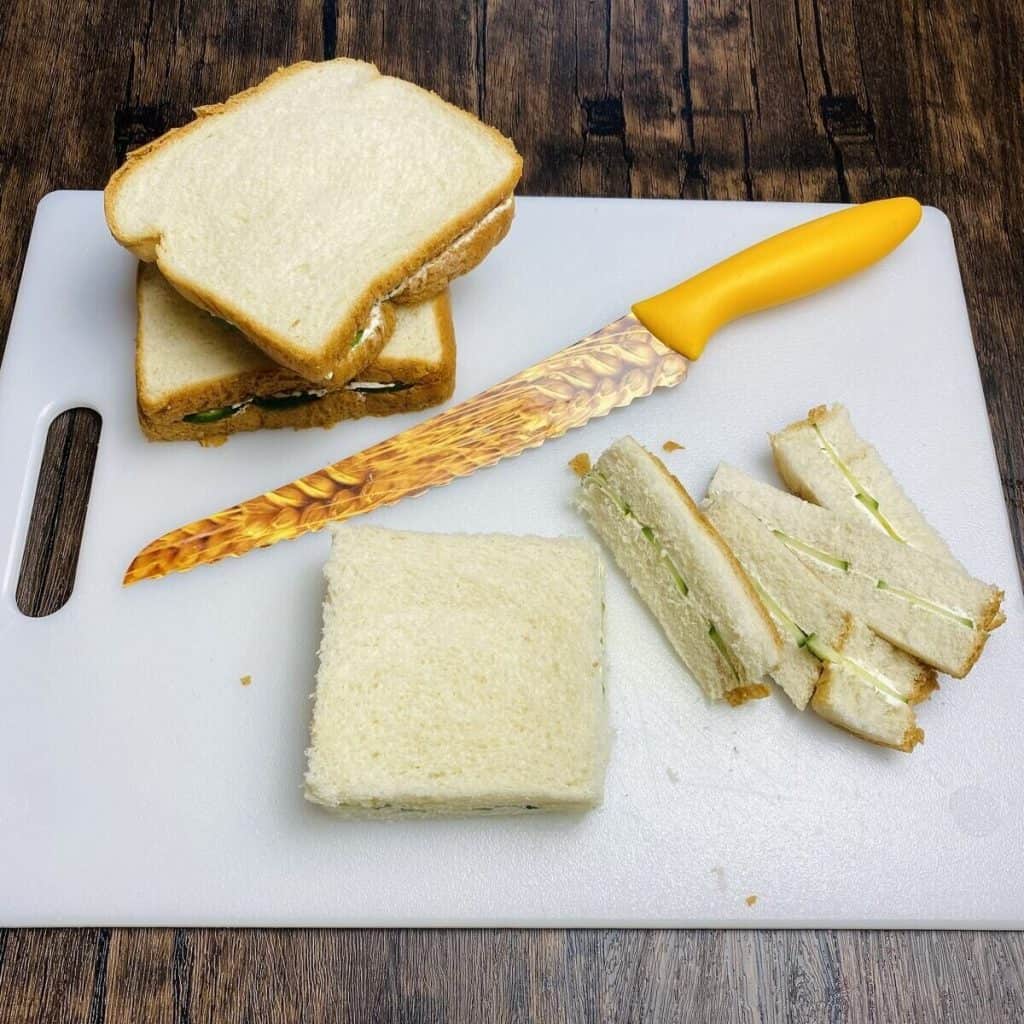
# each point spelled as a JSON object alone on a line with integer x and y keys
{"x": 142, "y": 784}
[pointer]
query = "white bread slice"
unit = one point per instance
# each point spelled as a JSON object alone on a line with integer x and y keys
{"x": 459, "y": 675}
{"x": 190, "y": 365}
{"x": 822, "y": 459}
{"x": 682, "y": 570}
{"x": 869, "y": 684}
{"x": 922, "y": 605}
{"x": 296, "y": 208}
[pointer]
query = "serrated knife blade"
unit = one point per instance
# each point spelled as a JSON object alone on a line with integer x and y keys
{"x": 603, "y": 371}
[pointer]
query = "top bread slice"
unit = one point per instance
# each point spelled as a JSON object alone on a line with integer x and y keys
{"x": 297, "y": 208}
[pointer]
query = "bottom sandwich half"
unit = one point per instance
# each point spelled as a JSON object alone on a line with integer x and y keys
{"x": 199, "y": 379}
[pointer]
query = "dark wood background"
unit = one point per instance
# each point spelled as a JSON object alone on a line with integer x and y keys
{"x": 738, "y": 99}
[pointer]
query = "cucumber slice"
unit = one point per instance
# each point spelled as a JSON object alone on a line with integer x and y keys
{"x": 861, "y": 495}
{"x": 926, "y": 605}
{"x": 773, "y": 606}
{"x": 723, "y": 650}
{"x": 212, "y": 415}
{"x": 823, "y": 652}
{"x": 677, "y": 577}
{"x": 822, "y": 556}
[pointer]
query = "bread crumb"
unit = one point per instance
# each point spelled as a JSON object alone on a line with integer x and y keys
{"x": 673, "y": 775}
{"x": 741, "y": 694}
{"x": 580, "y": 464}
{"x": 213, "y": 442}
{"x": 719, "y": 873}
{"x": 245, "y": 680}
{"x": 673, "y": 446}
{"x": 750, "y": 900}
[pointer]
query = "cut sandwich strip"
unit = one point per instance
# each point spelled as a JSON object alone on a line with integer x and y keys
{"x": 298, "y": 208}
{"x": 823, "y": 460}
{"x": 682, "y": 570}
{"x": 849, "y": 675}
{"x": 925, "y": 606}
{"x": 198, "y": 378}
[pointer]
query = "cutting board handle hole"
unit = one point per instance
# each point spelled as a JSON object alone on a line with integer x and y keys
{"x": 50, "y": 555}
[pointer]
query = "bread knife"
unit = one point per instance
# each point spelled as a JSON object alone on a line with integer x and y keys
{"x": 648, "y": 348}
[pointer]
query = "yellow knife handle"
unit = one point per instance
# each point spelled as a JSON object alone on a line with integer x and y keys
{"x": 786, "y": 266}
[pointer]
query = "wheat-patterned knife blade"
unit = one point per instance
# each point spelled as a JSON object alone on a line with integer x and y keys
{"x": 605, "y": 370}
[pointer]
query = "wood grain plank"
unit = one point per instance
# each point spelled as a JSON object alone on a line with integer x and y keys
{"x": 647, "y": 59}
{"x": 585, "y": 975}
{"x": 50, "y": 556}
{"x": 52, "y": 975}
{"x": 139, "y": 982}
{"x": 391, "y": 35}
{"x": 532, "y": 93}
{"x": 192, "y": 53}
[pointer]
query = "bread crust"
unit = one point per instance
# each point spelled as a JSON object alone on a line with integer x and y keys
{"x": 708, "y": 527}
{"x": 335, "y": 357}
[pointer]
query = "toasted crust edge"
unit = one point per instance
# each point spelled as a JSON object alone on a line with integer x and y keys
{"x": 742, "y": 694}
{"x": 330, "y": 358}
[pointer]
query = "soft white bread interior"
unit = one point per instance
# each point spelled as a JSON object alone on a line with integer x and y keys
{"x": 790, "y": 592}
{"x": 198, "y": 378}
{"x": 923, "y": 605}
{"x": 459, "y": 674}
{"x": 823, "y": 460}
{"x": 822, "y": 642}
{"x": 682, "y": 570}
{"x": 296, "y": 208}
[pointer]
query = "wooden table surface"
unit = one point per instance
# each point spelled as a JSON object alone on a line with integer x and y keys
{"x": 806, "y": 100}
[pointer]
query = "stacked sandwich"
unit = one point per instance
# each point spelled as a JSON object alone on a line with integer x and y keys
{"x": 840, "y": 593}
{"x": 297, "y": 242}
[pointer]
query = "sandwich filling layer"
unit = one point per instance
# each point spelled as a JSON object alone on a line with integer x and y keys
{"x": 292, "y": 399}
{"x": 821, "y": 650}
{"x": 462, "y": 244}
